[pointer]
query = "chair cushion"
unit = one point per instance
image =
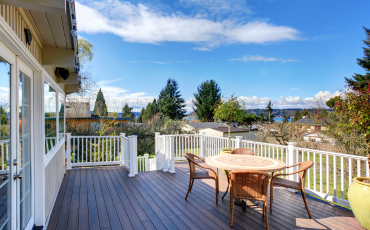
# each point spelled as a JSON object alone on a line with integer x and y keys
{"x": 204, "y": 175}
{"x": 287, "y": 183}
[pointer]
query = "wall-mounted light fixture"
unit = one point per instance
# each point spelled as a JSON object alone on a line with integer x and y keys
{"x": 28, "y": 35}
{"x": 63, "y": 73}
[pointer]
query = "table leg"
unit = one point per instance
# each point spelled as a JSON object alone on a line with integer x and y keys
{"x": 228, "y": 183}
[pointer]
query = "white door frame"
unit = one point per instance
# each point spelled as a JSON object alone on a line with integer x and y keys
{"x": 22, "y": 67}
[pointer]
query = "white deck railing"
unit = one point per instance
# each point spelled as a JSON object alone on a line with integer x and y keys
{"x": 328, "y": 179}
{"x": 102, "y": 150}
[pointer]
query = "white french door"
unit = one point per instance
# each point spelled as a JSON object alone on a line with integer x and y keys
{"x": 16, "y": 148}
{"x": 24, "y": 150}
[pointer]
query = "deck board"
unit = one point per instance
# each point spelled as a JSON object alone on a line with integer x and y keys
{"x": 106, "y": 198}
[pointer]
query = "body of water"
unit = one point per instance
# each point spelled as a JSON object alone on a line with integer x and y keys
{"x": 280, "y": 119}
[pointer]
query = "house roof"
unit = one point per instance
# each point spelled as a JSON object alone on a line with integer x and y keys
{"x": 309, "y": 121}
{"x": 205, "y": 125}
{"x": 233, "y": 130}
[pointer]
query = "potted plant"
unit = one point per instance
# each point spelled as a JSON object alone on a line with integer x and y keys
{"x": 230, "y": 111}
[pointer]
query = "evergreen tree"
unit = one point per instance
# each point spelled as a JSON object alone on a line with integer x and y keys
{"x": 140, "y": 117}
{"x": 297, "y": 115}
{"x": 100, "y": 107}
{"x": 262, "y": 116}
{"x": 359, "y": 81}
{"x": 154, "y": 107}
{"x": 209, "y": 93}
{"x": 127, "y": 112}
{"x": 286, "y": 117}
{"x": 170, "y": 102}
{"x": 331, "y": 102}
{"x": 269, "y": 110}
{"x": 305, "y": 113}
{"x": 249, "y": 119}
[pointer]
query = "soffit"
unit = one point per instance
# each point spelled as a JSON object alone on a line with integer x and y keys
{"x": 53, "y": 28}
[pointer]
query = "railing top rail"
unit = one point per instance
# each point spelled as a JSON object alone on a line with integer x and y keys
{"x": 181, "y": 135}
{"x": 98, "y": 137}
{"x": 331, "y": 153}
{"x": 263, "y": 143}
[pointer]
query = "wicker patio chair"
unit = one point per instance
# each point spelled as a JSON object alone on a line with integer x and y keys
{"x": 292, "y": 184}
{"x": 210, "y": 174}
{"x": 250, "y": 185}
{"x": 243, "y": 151}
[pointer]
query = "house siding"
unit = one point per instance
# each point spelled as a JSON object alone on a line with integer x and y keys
{"x": 14, "y": 18}
{"x": 54, "y": 173}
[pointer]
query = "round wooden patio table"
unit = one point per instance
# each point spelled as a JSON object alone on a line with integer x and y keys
{"x": 236, "y": 162}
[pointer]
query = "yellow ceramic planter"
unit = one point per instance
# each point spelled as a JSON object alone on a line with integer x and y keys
{"x": 359, "y": 199}
{"x": 225, "y": 152}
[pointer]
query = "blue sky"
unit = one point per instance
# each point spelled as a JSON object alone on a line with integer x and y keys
{"x": 288, "y": 51}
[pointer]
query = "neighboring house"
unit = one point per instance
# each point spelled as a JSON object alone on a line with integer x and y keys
{"x": 201, "y": 125}
{"x": 317, "y": 137}
{"x": 78, "y": 113}
{"x": 78, "y": 110}
{"x": 223, "y": 132}
{"x": 39, "y": 66}
{"x": 312, "y": 124}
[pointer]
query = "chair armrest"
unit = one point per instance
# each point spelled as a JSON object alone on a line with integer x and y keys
{"x": 201, "y": 166}
{"x": 293, "y": 165}
{"x": 287, "y": 174}
{"x": 199, "y": 158}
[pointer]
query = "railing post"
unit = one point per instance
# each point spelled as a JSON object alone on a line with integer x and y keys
{"x": 292, "y": 160}
{"x": 122, "y": 156}
{"x": 172, "y": 154}
{"x": 238, "y": 143}
{"x": 166, "y": 153}
{"x": 146, "y": 160}
{"x": 68, "y": 139}
{"x": 133, "y": 155}
{"x": 203, "y": 153}
{"x": 156, "y": 134}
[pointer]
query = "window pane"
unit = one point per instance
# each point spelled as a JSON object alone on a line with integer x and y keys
{"x": 25, "y": 148}
{"x": 61, "y": 116}
{"x": 50, "y": 106}
{"x": 5, "y": 188}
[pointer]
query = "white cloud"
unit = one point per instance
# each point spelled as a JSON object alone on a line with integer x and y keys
{"x": 249, "y": 58}
{"x": 116, "y": 97}
{"x": 201, "y": 49}
{"x": 161, "y": 62}
{"x": 289, "y": 102}
{"x": 5, "y": 89}
{"x": 140, "y": 23}
{"x": 293, "y": 89}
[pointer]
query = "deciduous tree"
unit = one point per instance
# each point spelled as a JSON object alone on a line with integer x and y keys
{"x": 230, "y": 110}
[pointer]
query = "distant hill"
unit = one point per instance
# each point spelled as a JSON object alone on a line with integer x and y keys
{"x": 120, "y": 114}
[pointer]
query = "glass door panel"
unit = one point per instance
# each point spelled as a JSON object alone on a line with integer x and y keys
{"x": 24, "y": 150}
{"x": 5, "y": 153}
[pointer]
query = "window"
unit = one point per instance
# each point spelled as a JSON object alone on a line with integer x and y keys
{"x": 61, "y": 116}
{"x": 50, "y": 106}
{"x": 5, "y": 159}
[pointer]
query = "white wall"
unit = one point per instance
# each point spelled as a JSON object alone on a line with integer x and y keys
{"x": 54, "y": 173}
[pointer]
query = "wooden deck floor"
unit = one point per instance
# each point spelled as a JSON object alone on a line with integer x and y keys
{"x": 106, "y": 198}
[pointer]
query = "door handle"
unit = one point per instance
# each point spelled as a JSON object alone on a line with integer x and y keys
{"x": 19, "y": 176}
